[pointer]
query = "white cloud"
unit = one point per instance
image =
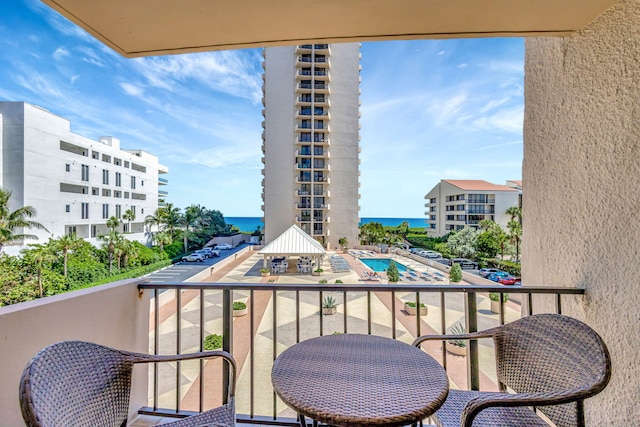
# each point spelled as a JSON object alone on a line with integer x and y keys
{"x": 463, "y": 65}
{"x": 508, "y": 120}
{"x": 131, "y": 89}
{"x": 441, "y": 53}
{"x": 60, "y": 53}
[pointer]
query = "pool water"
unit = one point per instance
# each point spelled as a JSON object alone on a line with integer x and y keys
{"x": 381, "y": 264}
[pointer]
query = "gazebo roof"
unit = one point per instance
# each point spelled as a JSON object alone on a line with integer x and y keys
{"x": 294, "y": 241}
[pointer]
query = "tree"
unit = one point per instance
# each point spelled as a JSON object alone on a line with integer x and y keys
{"x": 371, "y": 233}
{"x": 392, "y": 272}
{"x": 172, "y": 220}
{"x": 463, "y": 242}
{"x": 39, "y": 256}
{"x": 455, "y": 274}
{"x": 515, "y": 213}
{"x": 65, "y": 244}
{"x": 491, "y": 240}
{"x": 110, "y": 241}
{"x": 162, "y": 238}
{"x": 113, "y": 223}
{"x": 129, "y": 215}
{"x": 515, "y": 235}
{"x": 11, "y": 222}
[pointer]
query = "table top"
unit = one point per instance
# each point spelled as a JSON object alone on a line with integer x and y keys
{"x": 358, "y": 380}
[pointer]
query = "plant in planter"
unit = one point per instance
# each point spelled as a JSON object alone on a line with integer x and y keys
{"x": 323, "y": 281}
{"x": 411, "y": 309}
{"x": 455, "y": 274}
{"x": 329, "y": 305}
{"x": 264, "y": 272}
{"x": 343, "y": 242}
{"x": 317, "y": 272}
{"x": 239, "y": 308}
{"x": 212, "y": 342}
{"x": 495, "y": 301}
{"x": 338, "y": 281}
{"x": 392, "y": 273}
{"x": 458, "y": 347}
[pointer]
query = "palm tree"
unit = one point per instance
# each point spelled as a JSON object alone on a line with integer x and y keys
{"x": 39, "y": 255}
{"x": 65, "y": 244}
{"x": 172, "y": 219}
{"x": 515, "y": 212}
{"x": 10, "y": 222}
{"x": 110, "y": 241}
{"x": 125, "y": 249}
{"x": 129, "y": 215}
{"x": 162, "y": 238}
{"x": 191, "y": 220}
{"x": 515, "y": 235}
{"x": 113, "y": 223}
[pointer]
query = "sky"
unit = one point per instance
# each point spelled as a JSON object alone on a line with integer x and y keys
{"x": 430, "y": 110}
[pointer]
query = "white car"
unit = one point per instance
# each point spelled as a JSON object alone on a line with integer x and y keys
{"x": 210, "y": 252}
{"x": 222, "y": 246}
{"x": 193, "y": 258}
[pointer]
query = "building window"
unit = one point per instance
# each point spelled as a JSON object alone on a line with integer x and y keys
{"x": 133, "y": 182}
{"x": 95, "y": 155}
{"x": 85, "y": 211}
{"x": 126, "y": 164}
{"x": 105, "y": 211}
{"x": 117, "y": 161}
{"x": 142, "y": 182}
{"x": 67, "y": 167}
{"x": 126, "y": 194}
{"x": 118, "y": 211}
{"x": 71, "y": 230}
{"x": 118, "y": 179}
{"x": 106, "y": 158}
{"x": 67, "y": 208}
{"x": 94, "y": 230}
{"x": 85, "y": 172}
{"x": 133, "y": 209}
{"x": 117, "y": 194}
{"x": 105, "y": 176}
{"x": 95, "y": 191}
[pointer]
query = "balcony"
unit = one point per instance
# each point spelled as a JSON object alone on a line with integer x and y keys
{"x": 163, "y": 181}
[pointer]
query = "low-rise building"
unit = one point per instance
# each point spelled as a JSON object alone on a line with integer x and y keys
{"x": 74, "y": 183}
{"x": 454, "y": 204}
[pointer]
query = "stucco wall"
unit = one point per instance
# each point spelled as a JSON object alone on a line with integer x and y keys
{"x": 581, "y": 174}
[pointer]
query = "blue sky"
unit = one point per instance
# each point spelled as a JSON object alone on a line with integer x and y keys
{"x": 431, "y": 110}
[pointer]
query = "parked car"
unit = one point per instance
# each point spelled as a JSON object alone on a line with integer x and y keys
{"x": 222, "y": 246}
{"x": 508, "y": 280}
{"x": 484, "y": 272}
{"x": 415, "y": 250}
{"x": 497, "y": 275}
{"x": 445, "y": 261}
{"x": 211, "y": 252}
{"x": 193, "y": 258}
{"x": 464, "y": 263}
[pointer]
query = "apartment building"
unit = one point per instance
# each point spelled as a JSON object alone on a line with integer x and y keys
{"x": 311, "y": 141}
{"x": 455, "y": 204}
{"x": 74, "y": 183}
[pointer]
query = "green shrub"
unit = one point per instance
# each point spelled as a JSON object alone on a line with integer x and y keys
{"x": 392, "y": 272}
{"x": 212, "y": 342}
{"x": 455, "y": 274}
{"x": 239, "y": 305}
{"x": 412, "y": 304}
{"x": 323, "y": 281}
{"x": 175, "y": 249}
{"x": 495, "y": 296}
{"x": 458, "y": 329}
{"x": 338, "y": 281}
{"x": 130, "y": 274}
{"x": 81, "y": 272}
{"x": 329, "y": 302}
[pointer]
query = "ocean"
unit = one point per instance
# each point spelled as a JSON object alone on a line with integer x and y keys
{"x": 250, "y": 223}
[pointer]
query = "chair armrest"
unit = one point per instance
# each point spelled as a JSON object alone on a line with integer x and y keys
{"x": 151, "y": 358}
{"x": 477, "y": 404}
{"x": 469, "y": 336}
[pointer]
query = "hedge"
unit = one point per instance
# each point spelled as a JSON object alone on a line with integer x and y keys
{"x": 130, "y": 274}
{"x": 510, "y": 267}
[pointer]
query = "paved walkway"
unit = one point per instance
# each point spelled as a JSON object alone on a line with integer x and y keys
{"x": 267, "y": 342}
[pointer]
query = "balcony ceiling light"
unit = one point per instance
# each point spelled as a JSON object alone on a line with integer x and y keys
{"x": 150, "y": 27}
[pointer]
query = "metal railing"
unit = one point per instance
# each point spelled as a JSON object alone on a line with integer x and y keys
{"x": 380, "y": 304}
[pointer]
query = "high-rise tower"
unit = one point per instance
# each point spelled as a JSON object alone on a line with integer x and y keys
{"x": 311, "y": 141}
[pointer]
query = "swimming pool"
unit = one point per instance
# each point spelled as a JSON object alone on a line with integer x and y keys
{"x": 381, "y": 264}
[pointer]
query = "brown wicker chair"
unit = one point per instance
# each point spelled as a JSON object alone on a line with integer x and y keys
{"x": 550, "y": 362}
{"x": 76, "y": 383}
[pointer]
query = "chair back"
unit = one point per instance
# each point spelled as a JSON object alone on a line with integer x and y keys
{"x": 557, "y": 354}
{"x": 75, "y": 383}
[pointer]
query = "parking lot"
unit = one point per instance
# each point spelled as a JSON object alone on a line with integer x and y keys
{"x": 181, "y": 271}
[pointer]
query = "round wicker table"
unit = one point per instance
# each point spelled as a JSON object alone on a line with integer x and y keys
{"x": 359, "y": 380}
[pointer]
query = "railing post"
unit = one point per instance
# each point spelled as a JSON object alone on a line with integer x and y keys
{"x": 473, "y": 369}
{"x": 227, "y": 336}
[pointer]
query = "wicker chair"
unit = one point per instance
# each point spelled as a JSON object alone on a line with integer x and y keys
{"x": 550, "y": 362}
{"x": 76, "y": 383}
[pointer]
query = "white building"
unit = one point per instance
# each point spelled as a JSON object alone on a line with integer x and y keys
{"x": 74, "y": 183}
{"x": 311, "y": 141}
{"x": 455, "y": 204}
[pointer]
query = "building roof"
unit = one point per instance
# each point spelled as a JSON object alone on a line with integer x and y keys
{"x": 151, "y": 27}
{"x": 294, "y": 241}
{"x": 477, "y": 185}
{"x": 517, "y": 182}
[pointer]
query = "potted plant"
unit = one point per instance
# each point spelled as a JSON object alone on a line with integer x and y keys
{"x": 329, "y": 305}
{"x": 455, "y": 274}
{"x": 239, "y": 308}
{"x": 410, "y": 308}
{"x": 343, "y": 242}
{"x": 317, "y": 272}
{"x": 338, "y": 281}
{"x": 212, "y": 342}
{"x": 323, "y": 281}
{"x": 392, "y": 273}
{"x": 495, "y": 301}
{"x": 264, "y": 272}
{"x": 457, "y": 347}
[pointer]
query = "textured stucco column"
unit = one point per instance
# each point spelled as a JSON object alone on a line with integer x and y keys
{"x": 581, "y": 178}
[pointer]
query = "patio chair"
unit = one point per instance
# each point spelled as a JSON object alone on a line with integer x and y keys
{"x": 76, "y": 383}
{"x": 551, "y": 362}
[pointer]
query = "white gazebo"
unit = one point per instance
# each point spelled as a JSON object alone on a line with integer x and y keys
{"x": 293, "y": 242}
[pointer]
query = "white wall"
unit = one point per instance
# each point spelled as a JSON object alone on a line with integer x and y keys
{"x": 581, "y": 172}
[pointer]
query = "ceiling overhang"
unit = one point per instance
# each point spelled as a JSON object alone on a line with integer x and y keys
{"x": 137, "y": 28}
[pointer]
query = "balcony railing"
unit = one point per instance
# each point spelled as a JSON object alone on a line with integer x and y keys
{"x": 184, "y": 313}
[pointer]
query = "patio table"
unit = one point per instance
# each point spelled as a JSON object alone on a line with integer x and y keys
{"x": 359, "y": 380}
